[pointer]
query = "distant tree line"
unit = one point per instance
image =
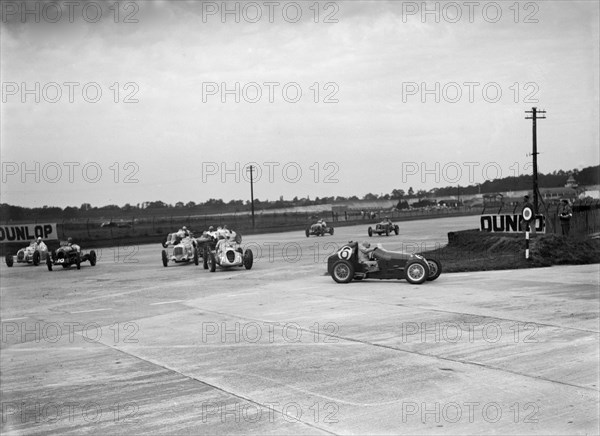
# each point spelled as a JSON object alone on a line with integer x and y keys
{"x": 587, "y": 176}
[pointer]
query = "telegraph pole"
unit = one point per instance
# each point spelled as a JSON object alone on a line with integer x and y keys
{"x": 251, "y": 169}
{"x": 535, "y": 115}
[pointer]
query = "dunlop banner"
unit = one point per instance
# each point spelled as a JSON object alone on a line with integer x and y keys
{"x": 27, "y": 232}
{"x": 509, "y": 223}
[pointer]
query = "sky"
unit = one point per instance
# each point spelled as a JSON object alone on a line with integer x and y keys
{"x": 127, "y": 102}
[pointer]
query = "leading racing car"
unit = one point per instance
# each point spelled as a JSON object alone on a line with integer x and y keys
{"x": 29, "y": 255}
{"x": 319, "y": 229}
{"x": 69, "y": 254}
{"x": 344, "y": 266}
{"x": 385, "y": 226}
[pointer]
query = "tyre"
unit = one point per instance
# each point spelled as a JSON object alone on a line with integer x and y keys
{"x": 396, "y": 230}
{"x": 93, "y": 258}
{"x": 435, "y": 269}
{"x": 165, "y": 259}
{"x": 342, "y": 271}
{"x": 205, "y": 258}
{"x": 49, "y": 262}
{"x": 248, "y": 259}
{"x": 370, "y": 231}
{"x": 78, "y": 261}
{"x": 165, "y": 245}
{"x": 196, "y": 259}
{"x": 9, "y": 260}
{"x": 212, "y": 263}
{"x": 387, "y": 231}
{"x": 307, "y": 231}
{"x": 416, "y": 272}
{"x": 36, "y": 258}
{"x": 331, "y": 230}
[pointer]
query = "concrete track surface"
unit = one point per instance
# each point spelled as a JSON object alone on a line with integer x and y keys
{"x": 131, "y": 347}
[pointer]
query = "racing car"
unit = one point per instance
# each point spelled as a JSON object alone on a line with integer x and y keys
{"x": 227, "y": 253}
{"x": 69, "y": 254}
{"x": 184, "y": 250}
{"x": 318, "y": 229}
{"x": 384, "y": 226}
{"x": 28, "y": 255}
{"x": 344, "y": 266}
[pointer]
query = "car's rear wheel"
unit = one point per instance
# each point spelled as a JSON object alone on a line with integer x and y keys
{"x": 78, "y": 261}
{"x": 248, "y": 259}
{"x": 165, "y": 259}
{"x": 370, "y": 231}
{"x": 196, "y": 259}
{"x": 93, "y": 258}
{"x": 205, "y": 258}
{"x": 342, "y": 271}
{"x": 9, "y": 260}
{"x": 36, "y": 258}
{"x": 435, "y": 269}
{"x": 416, "y": 272}
{"x": 396, "y": 230}
{"x": 212, "y": 262}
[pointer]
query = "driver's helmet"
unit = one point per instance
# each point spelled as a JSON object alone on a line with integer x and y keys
{"x": 366, "y": 244}
{"x": 211, "y": 228}
{"x": 184, "y": 228}
{"x": 69, "y": 240}
{"x": 39, "y": 240}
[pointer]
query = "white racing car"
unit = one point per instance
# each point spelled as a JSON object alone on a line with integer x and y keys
{"x": 29, "y": 255}
{"x": 184, "y": 250}
{"x": 228, "y": 253}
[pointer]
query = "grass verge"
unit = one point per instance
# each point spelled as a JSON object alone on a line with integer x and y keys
{"x": 475, "y": 251}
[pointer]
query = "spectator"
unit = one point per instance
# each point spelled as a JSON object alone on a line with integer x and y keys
{"x": 564, "y": 214}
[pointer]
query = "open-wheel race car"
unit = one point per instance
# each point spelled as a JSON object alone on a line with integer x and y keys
{"x": 318, "y": 229}
{"x": 345, "y": 266}
{"x": 68, "y": 255}
{"x": 384, "y": 227}
{"x": 183, "y": 250}
{"x": 29, "y": 255}
{"x": 227, "y": 253}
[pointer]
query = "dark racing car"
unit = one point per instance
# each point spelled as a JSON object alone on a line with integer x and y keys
{"x": 69, "y": 254}
{"x": 345, "y": 266}
{"x": 318, "y": 229}
{"x": 384, "y": 227}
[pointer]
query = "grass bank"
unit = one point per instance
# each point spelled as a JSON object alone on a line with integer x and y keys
{"x": 472, "y": 250}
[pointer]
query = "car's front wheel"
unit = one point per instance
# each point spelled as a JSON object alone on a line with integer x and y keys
{"x": 416, "y": 272}
{"x": 396, "y": 230}
{"x": 165, "y": 259}
{"x": 196, "y": 258}
{"x": 36, "y": 258}
{"x": 435, "y": 269}
{"x": 248, "y": 259}
{"x": 78, "y": 261}
{"x": 212, "y": 262}
{"x": 9, "y": 260}
{"x": 49, "y": 262}
{"x": 93, "y": 258}
{"x": 342, "y": 271}
{"x": 370, "y": 231}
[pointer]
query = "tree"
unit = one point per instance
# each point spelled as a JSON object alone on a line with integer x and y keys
{"x": 398, "y": 193}
{"x": 370, "y": 196}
